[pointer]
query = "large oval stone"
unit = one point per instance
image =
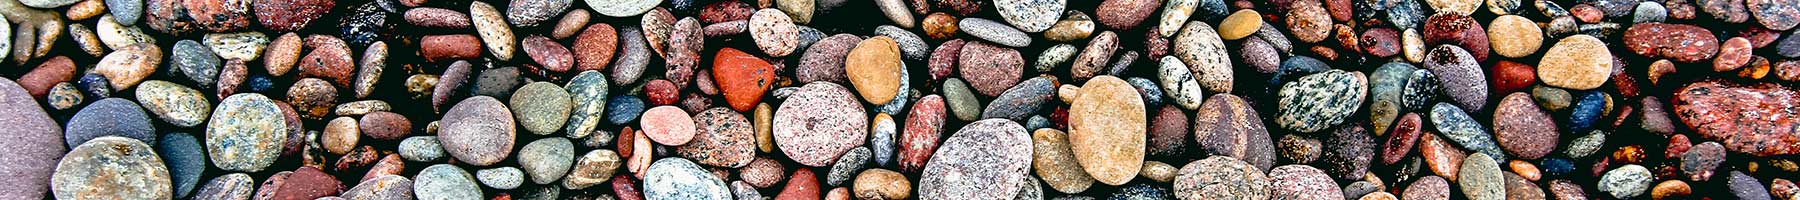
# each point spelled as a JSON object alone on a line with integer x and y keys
{"x": 725, "y": 139}
{"x": 1752, "y": 119}
{"x": 1107, "y": 130}
{"x": 1576, "y": 62}
{"x": 987, "y": 159}
{"x": 34, "y": 146}
{"x": 1319, "y": 101}
{"x": 246, "y": 133}
{"x": 478, "y": 131}
{"x": 109, "y": 117}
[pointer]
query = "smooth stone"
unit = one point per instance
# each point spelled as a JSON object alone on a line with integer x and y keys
{"x": 742, "y": 78}
{"x": 847, "y": 166}
{"x": 588, "y": 91}
{"x": 1742, "y": 186}
{"x": 421, "y": 149}
{"x": 1629, "y": 181}
{"x": 1092, "y": 59}
{"x": 1458, "y": 127}
{"x": 1106, "y": 130}
{"x": 961, "y": 100}
{"x": 1022, "y": 100}
{"x": 880, "y": 183}
{"x": 496, "y": 36}
{"x": 1480, "y": 178}
{"x": 623, "y": 109}
{"x": 1074, "y": 26}
{"x": 1053, "y": 162}
{"x": 1125, "y": 14}
{"x": 35, "y": 147}
{"x": 1724, "y": 111}
{"x": 228, "y": 186}
{"x": 895, "y": 11}
{"x": 541, "y": 107}
{"x": 621, "y": 8}
{"x": 677, "y": 178}
{"x": 774, "y": 32}
{"x": 382, "y": 187}
{"x": 911, "y": 46}
{"x": 989, "y": 69}
{"x": 445, "y": 181}
{"x": 1226, "y": 125}
{"x": 1351, "y": 150}
{"x": 111, "y": 168}
{"x": 109, "y": 117}
{"x": 288, "y": 16}
{"x": 1520, "y": 127}
{"x": 725, "y": 139}
{"x": 1514, "y": 36}
{"x": 1315, "y": 102}
{"x": 547, "y": 160}
{"x": 593, "y": 168}
{"x": 1302, "y": 182}
{"x": 919, "y": 139}
{"x": 126, "y": 12}
{"x": 883, "y": 137}
{"x": 246, "y": 132}
{"x": 478, "y": 131}
{"x": 994, "y": 32}
{"x": 1676, "y": 42}
{"x": 1221, "y": 177}
{"x": 1240, "y": 24}
{"x": 1310, "y": 22}
{"x": 1577, "y": 62}
{"x": 1030, "y": 15}
{"x": 1200, "y": 47}
{"x": 173, "y": 103}
{"x": 531, "y": 13}
{"x": 128, "y": 65}
{"x": 1460, "y": 76}
{"x": 505, "y": 178}
{"x": 986, "y": 159}
{"x": 195, "y": 62}
{"x": 668, "y": 125}
{"x": 1054, "y": 56}
{"x": 834, "y": 121}
{"x": 1175, "y": 13}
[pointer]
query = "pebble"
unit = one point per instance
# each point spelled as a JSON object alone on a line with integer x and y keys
{"x": 676, "y": 178}
{"x": 668, "y": 125}
{"x": 1457, "y": 30}
{"x": 1232, "y": 128}
{"x": 128, "y": 65}
{"x": 531, "y": 13}
{"x": 1315, "y": 102}
{"x": 1092, "y": 59}
{"x": 111, "y": 168}
{"x": 1628, "y": 181}
{"x": 1678, "y": 42}
{"x": 941, "y": 26}
{"x": 587, "y": 91}
{"x": 330, "y": 60}
{"x": 835, "y": 124}
{"x": 1519, "y": 126}
{"x": 919, "y": 139}
{"x": 340, "y": 135}
{"x": 445, "y": 181}
{"x": 774, "y": 32}
{"x": 1176, "y": 13}
{"x": 724, "y": 139}
{"x": 1481, "y": 178}
{"x": 1108, "y": 142}
{"x": 195, "y": 62}
{"x": 1515, "y": 36}
{"x": 1742, "y": 186}
{"x": 492, "y": 27}
{"x": 880, "y": 183}
{"x": 1577, "y": 62}
{"x": 174, "y": 103}
{"x": 1351, "y": 151}
{"x": 874, "y": 67}
{"x": 382, "y": 187}
{"x": 990, "y": 69}
{"x": 1030, "y": 15}
{"x": 1461, "y": 77}
{"x": 1428, "y": 187}
{"x": 911, "y": 46}
{"x": 744, "y": 78}
{"x": 1054, "y": 56}
{"x": 1302, "y": 182}
{"x": 592, "y": 168}
{"x": 478, "y": 130}
{"x": 847, "y": 166}
{"x": 804, "y": 184}
{"x": 824, "y": 60}
{"x": 547, "y": 160}
{"x": 1200, "y": 47}
{"x": 1221, "y": 177}
{"x": 1459, "y": 7}
{"x": 993, "y": 31}
{"x": 1458, "y": 127}
{"x": 421, "y": 149}
{"x": 1124, "y": 14}
{"x": 987, "y": 158}
{"x": 1309, "y": 21}
{"x": 1775, "y": 14}
{"x": 109, "y": 117}
{"x": 282, "y": 16}
{"x": 541, "y": 107}
{"x": 1053, "y": 162}
{"x": 571, "y": 23}
{"x": 882, "y": 139}
{"x": 1075, "y": 26}
{"x": 1700, "y": 162}
{"x": 37, "y": 145}
{"x": 1237, "y": 26}
{"x": 896, "y": 11}
{"x": 505, "y": 178}
{"x": 1723, "y": 103}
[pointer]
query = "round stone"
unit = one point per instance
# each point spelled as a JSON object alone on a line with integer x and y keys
{"x": 1461, "y": 77}
{"x": 774, "y": 32}
{"x": 818, "y": 123}
{"x": 111, "y": 168}
{"x": 1577, "y": 62}
{"x": 505, "y": 178}
{"x": 546, "y": 160}
{"x": 725, "y": 139}
{"x": 1030, "y": 15}
{"x": 1221, "y": 177}
{"x": 874, "y": 68}
{"x": 421, "y": 149}
{"x": 588, "y": 93}
{"x": 1521, "y": 127}
{"x": 1106, "y": 130}
{"x": 668, "y": 125}
{"x": 592, "y": 168}
{"x": 990, "y": 69}
{"x": 1629, "y": 181}
{"x": 1480, "y": 178}
{"x": 541, "y": 107}
{"x": 987, "y": 159}
{"x": 246, "y": 133}
{"x": 1200, "y": 47}
{"x": 1227, "y": 125}
{"x": 1240, "y": 24}
{"x": 496, "y": 36}
{"x": 531, "y": 13}
{"x": 478, "y": 131}
{"x": 1514, "y": 36}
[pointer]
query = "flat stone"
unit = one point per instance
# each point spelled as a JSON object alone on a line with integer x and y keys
{"x": 445, "y": 181}
{"x": 588, "y": 92}
{"x": 1124, "y": 14}
{"x": 1461, "y": 77}
{"x": 505, "y": 178}
{"x": 531, "y": 13}
{"x": 1677, "y": 42}
{"x": 128, "y": 65}
{"x": 993, "y": 31}
{"x": 774, "y": 32}
{"x": 1514, "y": 36}
{"x": 1520, "y": 127}
{"x": 1200, "y": 47}
{"x": 1226, "y": 125}
{"x": 1053, "y": 162}
{"x": 990, "y": 69}
{"x": 1221, "y": 177}
{"x": 676, "y": 178}
{"x": 592, "y": 168}
{"x": 37, "y": 147}
{"x": 547, "y": 160}
{"x": 1457, "y": 126}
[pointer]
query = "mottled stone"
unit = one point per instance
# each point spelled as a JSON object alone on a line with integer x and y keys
{"x": 541, "y": 107}
{"x": 834, "y": 124}
{"x": 724, "y": 139}
{"x": 1461, "y": 76}
{"x": 1628, "y": 181}
{"x": 1480, "y": 178}
{"x": 983, "y": 160}
{"x": 445, "y": 181}
{"x": 478, "y": 130}
{"x": 1221, "y": 177}
{"x": 993, "y": 31}
{"x": 676, "y": 178}
{"x": 1106, "y": 130}
{"x": 111, "y": 168}
{"x": 1577, "y": 62}
{"x": 1053, "y": 162}
{"x": 1315, "y": 102}
{"x": 1458, "y": 127}
{"x": 1302, "y": 182}
{"x": 1200, "y": 47}
{"x": 1030, "y": 15}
